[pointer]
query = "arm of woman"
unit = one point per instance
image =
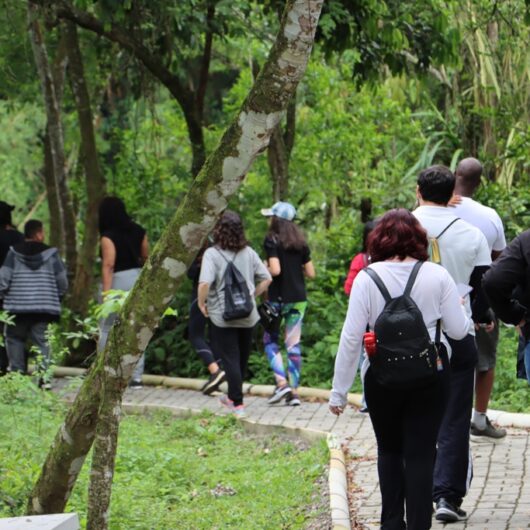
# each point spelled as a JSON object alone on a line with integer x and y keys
{"x": 202, "y": 296}
{"x": 350, "y": 344}
{"x": 455, "y": 321}
{"x": 309, "y": 270}
{"x": 108, "y": 260}
{"x": 144, "y": 249}
{"x": 262, "y": 274}
{"x": 274, "y": 267}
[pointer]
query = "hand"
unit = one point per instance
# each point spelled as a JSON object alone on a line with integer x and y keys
{"x": 335, "y": 409}
{"x": 487, "y": 327}
{"x": 203, "y": 308}
{"x": 455, "y": 200}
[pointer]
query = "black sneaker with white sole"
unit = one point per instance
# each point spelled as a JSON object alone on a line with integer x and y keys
{"x": 449, "y": 512}
{"x": 293, "y": 400}
{"x": 279, "y": 393}
{"x": 135, "y": 384}
{"x": 213, "y": 382}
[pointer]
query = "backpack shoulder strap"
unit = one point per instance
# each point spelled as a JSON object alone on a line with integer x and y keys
{"x": 447, "y": 227}
{"x": 412, "y": 277}
{"x": 380, "y": 285}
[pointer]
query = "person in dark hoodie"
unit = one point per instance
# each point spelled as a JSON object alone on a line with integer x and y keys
{"x": 9, "y": 236}
{"x": 32, "y": 282}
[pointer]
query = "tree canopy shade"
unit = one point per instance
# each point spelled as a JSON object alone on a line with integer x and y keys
{"x": 95, "y": 413}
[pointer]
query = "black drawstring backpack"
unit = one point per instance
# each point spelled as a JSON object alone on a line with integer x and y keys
{"x": 238, "y": 302}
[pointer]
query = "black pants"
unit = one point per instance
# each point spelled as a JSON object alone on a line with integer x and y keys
{"x": 406, "y": 424}
{"x": 197, "y": 334}
{"x": 233, "y": 346}
{"x": 453, "y": 470}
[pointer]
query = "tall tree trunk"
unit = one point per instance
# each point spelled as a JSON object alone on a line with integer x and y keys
{"x": 56, "y": 237}
{"x": 94, "y": 180}
{"x": 279, "y": 153}
{"x": 55, "y": 132}
{"x": 219, "y": 179}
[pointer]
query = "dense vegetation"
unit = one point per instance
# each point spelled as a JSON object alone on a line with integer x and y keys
{"x": 392, "y": 87}
{"x": 170, "y": 473}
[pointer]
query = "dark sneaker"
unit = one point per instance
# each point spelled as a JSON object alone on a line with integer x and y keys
{"x": 293, "y": 400}
{"x": 279, "y": 393}
{"x": 44, "y": 385}
{"x": 491, "y": 432}
{"x": 135, "y": 384}
{"x": 449, "y": 512}
{"x": 213, "y": 382}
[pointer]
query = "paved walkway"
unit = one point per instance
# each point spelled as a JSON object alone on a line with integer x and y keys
{"x": 499, "y": 498}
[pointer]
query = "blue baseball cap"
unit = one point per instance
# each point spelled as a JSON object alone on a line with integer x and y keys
{"x": 283, "y": 210}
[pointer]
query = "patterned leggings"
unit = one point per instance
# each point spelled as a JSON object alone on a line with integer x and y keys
{"x": 292, "y": 314}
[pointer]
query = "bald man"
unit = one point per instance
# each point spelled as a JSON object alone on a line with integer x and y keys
{"x": 468, "y": 177}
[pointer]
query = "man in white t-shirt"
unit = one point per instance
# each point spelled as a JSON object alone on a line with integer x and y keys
{"x": 487, "y": 220}
{"x": 464, "y": 252}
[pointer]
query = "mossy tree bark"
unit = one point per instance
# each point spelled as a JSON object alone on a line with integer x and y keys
{"x": 55, "y": 136}
{"x": 95, "y": 413}
{"x": 94, "y": 180}
{"x": 279, "y": 153}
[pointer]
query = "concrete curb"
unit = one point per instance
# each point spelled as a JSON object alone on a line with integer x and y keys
{"x": 505, "y": 419}
{"x": 338, "y": 486}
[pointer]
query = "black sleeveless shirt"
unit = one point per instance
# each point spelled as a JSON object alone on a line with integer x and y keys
{"x": 128, "y": 243}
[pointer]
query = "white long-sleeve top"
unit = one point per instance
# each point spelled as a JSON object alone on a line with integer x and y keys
{"x": 435, "y": 294}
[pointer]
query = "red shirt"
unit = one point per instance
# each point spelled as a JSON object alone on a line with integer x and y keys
{"x": 358, "y": 263}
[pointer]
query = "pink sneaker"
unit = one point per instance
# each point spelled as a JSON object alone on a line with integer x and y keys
{"x": 226, "y": 402}
{"x": 239, "y": 411}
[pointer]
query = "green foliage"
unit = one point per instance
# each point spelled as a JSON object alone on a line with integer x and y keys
{"x": 168, "y": 471}
{"x": 509, "y": 393}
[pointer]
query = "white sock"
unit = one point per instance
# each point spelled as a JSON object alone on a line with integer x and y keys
{"x": 479, "y": 419}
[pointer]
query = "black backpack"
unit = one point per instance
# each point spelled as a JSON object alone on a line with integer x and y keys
{"x": 238, "y": 302}
{"x": 405, "y": 355}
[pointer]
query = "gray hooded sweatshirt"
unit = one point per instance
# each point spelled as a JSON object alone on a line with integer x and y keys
{"x": 33, "y": 280}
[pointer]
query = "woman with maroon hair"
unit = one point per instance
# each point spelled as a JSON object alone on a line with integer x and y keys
{"x": 405, "y": 420}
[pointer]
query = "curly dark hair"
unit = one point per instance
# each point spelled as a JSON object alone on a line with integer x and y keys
{"x": 229, "y": 233}
{"x": 398, "y": 234}
{"x": 113, "y": 215}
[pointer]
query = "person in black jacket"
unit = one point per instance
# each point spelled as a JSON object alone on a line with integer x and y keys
{"x": 9, "y": 236}
{"x": 507, "y": 285}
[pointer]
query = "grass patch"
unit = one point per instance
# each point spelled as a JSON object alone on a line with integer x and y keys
{"x": 202, "y": 473}
{"x": 509, "y": 393}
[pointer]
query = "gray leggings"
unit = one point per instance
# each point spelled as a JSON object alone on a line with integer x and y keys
{"x": 123, "y": 281}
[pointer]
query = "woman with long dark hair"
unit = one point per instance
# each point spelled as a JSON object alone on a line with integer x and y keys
{"x": 231, "y": 339}
{"x": 124, "y": 249}
{"x": 406, "y": 420}
{"x": 289, "y": 262}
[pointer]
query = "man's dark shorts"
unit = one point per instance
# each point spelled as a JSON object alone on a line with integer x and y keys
{"x": 487, "y": 348}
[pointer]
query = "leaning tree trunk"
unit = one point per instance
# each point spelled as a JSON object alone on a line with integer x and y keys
{"x": 218, "y": 180}
{"x": 55, "y": 132}
{"x": 94, "y": 180}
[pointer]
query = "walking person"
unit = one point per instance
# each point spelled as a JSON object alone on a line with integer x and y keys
{"x": 507, "y": 285}
{"x": 463, "y": 250}
{"x": 197, "y": 331}
{"x": 9, "y": 236}
{"x": 32, "y": 283}
{"x": 406, "y": 418}
{"x": 231, "y": 259}
{"x": 289, "y": 262}
{"x": 488, "y": 221}
{"x": 124, "y": 250}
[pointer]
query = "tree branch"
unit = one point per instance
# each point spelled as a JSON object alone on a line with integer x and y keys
{"x": 205, "y": 63}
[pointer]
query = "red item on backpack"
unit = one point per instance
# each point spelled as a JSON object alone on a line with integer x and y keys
{"x": 370, "y": 343}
